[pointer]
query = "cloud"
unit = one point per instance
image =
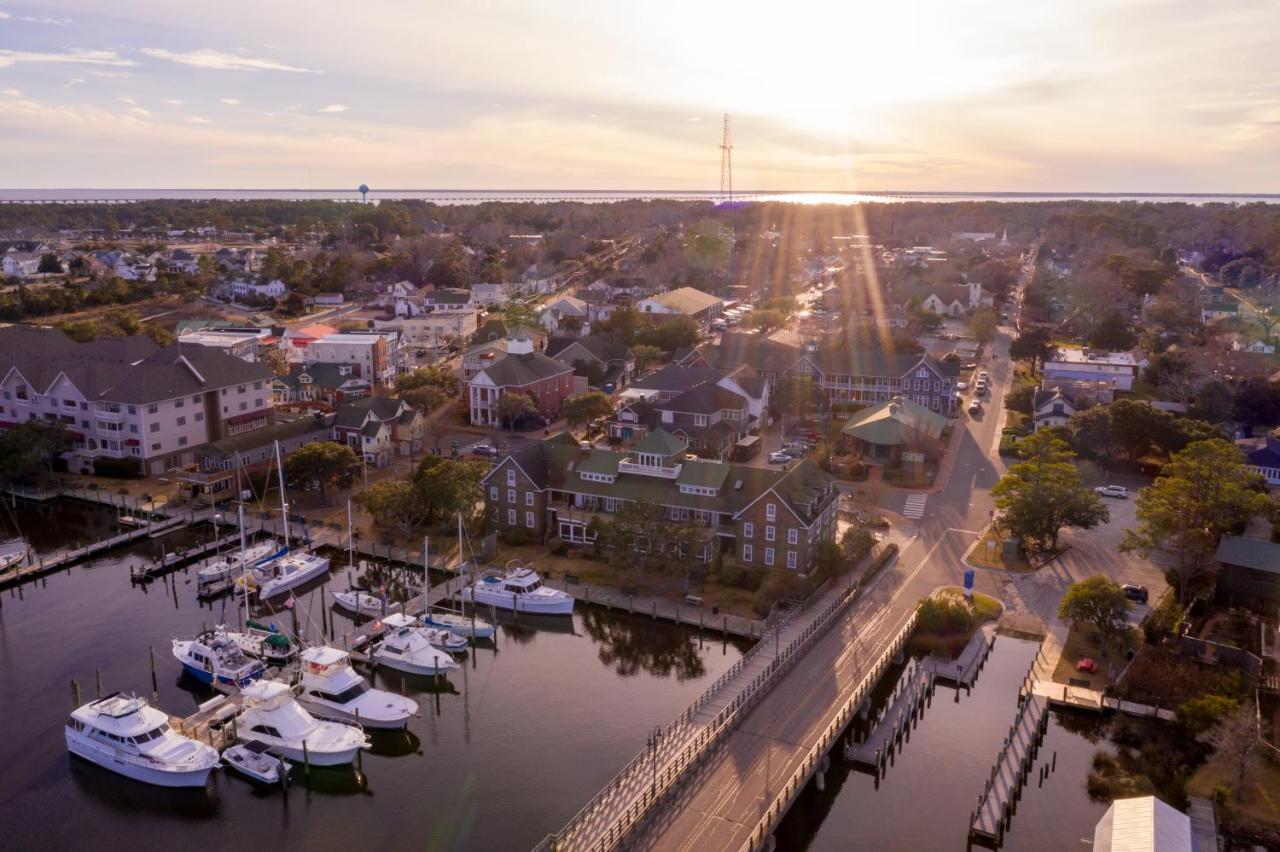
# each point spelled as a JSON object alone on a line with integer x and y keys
{"x": 137, "y": 110}
{"x": 231, "y": 101}
{"x": 3, "y": 15}
{"x": 82, "y": 57}
{"x": 54, "y": 22}
{"x": 197, "y": 119}
{"x": 335, "y": 108}
{"x": 11, "y": 93}
{"x": 174, "y": 101}
{"x": 128, "y": 99}
{"x": 215, "y": 60}
{"x": 74, "y": 81}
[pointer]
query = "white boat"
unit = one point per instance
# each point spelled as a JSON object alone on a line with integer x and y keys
{"x": 128, "y": 736}
{"x": 361, "y": 602}
{"x": 272, "y": 716}
{"x": 407, "y": 648}
{"x": 265, "y": 643}
{"x": 331, "y": 689}
{"x": 288, "y": 572}
{"x": 255, "y": 761}
{"x": 215, "y": 656}
{"x": 518, "y": 589}
{"x": 229, "y": 564}
{"x": 446, "y": 641}
{"x": 12, "y": 552}
{"x": 469, "y": 626}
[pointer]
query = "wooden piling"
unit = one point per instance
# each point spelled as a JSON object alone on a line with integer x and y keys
{"x": 97, "y": 673}
{"x": 306, "y": 759}
{"x": 75, "y": 695}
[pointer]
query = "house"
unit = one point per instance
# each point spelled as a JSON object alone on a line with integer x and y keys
{"x": 621, "y": 288}
{"x": 328, "y": 300}
{"x": 378, "y": 428}
{"x": 181, "y": 262}
{"x": 690, "y": 302}
{"x": 1143, "y": 824}
{"x": 482, "y": 355}
{"x": 1217, "y": 304}
{"x": 129, "y": 398}
{"x": 432, "y": 331}
{"x": 222, "y": 467}
{"x": 545, "y": 380}
{"x": 369, "y": 353}
{"x": 448, "y": 299}
{"x": 249, "y": 344}
{"x": 675, "y": 379}
{"x": 1120, "y": 369}
{"x": 1260, "y": 347}
{"x": 1050, "y": 407}
{"x": 324, "y": 383}
{"x": 899, "y": 425}
{"x": 561, "y": 309}
{"x": 1250, "y": 574}
{"x": 19, "y": 263}
{"x": 616, "y": 363}
{"x": 1082, "y": 392}
{"x": 491, "y": 295}
{"x": 760, "y": 516}
{"x": 297, "y": 340}
{"x": 710, "y": 419}
{"x": 874, "y": 375}
{"x": 242, "y": 288}
{"x": 956, "y": 300}
{"x": 1265, "y": 459}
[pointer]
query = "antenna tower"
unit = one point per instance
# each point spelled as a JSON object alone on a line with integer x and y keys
{"x": 726, "y": 163}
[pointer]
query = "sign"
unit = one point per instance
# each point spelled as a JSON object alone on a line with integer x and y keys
{"x": 913, "y": 457}
{"x": 968, "y": 583}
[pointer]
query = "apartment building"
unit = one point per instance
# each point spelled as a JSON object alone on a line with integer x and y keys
{"x": 769, "y": 517}
{"x": 128, "y": 398}
{"x": 368, "y": 354}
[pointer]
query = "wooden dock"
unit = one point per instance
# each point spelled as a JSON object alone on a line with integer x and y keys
{"x": 912, "y": 695}
{"x": 39, "y": 566}
{"x": 963, "y": 671}
{"x": 156, "y": 567}
{"x": 999, "y": 798}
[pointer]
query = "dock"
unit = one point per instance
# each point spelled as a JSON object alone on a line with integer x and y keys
{"x": 963, "y": 671}
{"x": 156, "y": 567}
{"x": 912, "y": 695}
{"x": 999, "y": 798}
{"x": 41, "y": 565}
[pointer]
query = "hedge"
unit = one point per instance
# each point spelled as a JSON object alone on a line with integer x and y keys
{"x": 117, "y": 468}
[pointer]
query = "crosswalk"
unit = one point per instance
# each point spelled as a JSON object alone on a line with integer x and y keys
{"x": 914, "y": 507}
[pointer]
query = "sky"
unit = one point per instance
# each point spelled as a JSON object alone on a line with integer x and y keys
{"x": 982, "y": 95}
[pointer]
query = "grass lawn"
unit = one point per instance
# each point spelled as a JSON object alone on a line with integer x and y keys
{"x": 1081, "y": 644}
{"x": 951, "y": 634}
{"x": 1257, "y": 816}
{"x": 983, "y": 557}
{"x": 984, "y": 608}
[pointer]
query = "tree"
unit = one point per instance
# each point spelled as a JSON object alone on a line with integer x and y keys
{"x": 592, "y": 371}
{"x": 1091, "y": 435}
{"x": 672, "y": 333}
{"x": 514, "y": 407}
{"x": 391, "y": 503}
{"x": 795, "y": 396}
{"x": 1257, "y": 403}
{"x": 326, "y": 464}
{"x": 1098, "y": 601}
{"x": 1234, "y": 738}
{"x": 1021, "y": 399}
{"x": 1140, "y": 428}
{"x": 49, "y": 263}
{"x": 519, "y": 315}
{"x": 443, "y": 487}
{"x": 585, "y": 407}
{"x": 1197, "y": 715}
{"x": 1044, "y": 493}
{"x": 641, "y": 538}
{"x": 450, "y": 267}
{"x": 1033, "y": 346}
{"x": 30, "y": 446}
{"x": 646, "y": 356}
{"x": 1203, "y": 492}
{"x": 766, "y": 321}
{"x": 983, "y": 324}
{"x": 427, "y": 388}
{"x": 1213, "y": 403}
{"x": 1112, "y": 333}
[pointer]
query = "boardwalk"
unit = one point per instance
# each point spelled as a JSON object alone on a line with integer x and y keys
{"x": 963, "y": 671}
{"x": 1003, "y": 788}
{"x": 913, "y": 693}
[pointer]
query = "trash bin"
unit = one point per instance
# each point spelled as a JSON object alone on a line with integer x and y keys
{"x": 715, "y": 609}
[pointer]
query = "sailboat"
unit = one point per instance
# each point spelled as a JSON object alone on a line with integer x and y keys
{"x": 290, "y": 570}
{"x": 460, "y": 624}
{"x": 357, "y": 600}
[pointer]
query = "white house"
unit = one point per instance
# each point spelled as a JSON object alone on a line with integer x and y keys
{"x": 954, "y": 300}
{"x": 1051, "y": 408}
{"x": 486, "y": 294}
{"x": 243, "y": 288}
{"x": 20, "y": 263}
{"x": 566, "y": 306}
{"x": 1119, "y": 369}
{"x": 448, "y": 299}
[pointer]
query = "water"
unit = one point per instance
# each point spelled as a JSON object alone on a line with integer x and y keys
{"x": 479, "y": 196}
{"x": 520, "y": 738}
{"x": 924, "y": 800}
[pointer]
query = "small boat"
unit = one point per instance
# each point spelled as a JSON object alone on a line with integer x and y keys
{"x": 446, "y": 641}
{"x": 362, "y": 602}
{"x": 331, "y": 689}
{"x": 273, "y": 717}
{"x": 12, "y": 552}
{"x": 215, "y": 656}
{"x": 264, "y": 642}
{"x": 255, "y": 761}
{"x": 230, "y": 564}
{"x": 127, "y": 736}
{"x": 518, "y": 589}
{"x": 460, "y": 624}
{"x": 407, "y": 648}
{"x": 289, "y": 572}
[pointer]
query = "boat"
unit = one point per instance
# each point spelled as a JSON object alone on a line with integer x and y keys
{"x": 361, "y": 602}
{"x": 127, "y": 736}
{"x": 472, "y": 627}
{"x": 446, "y": 641}
{"x": 264, "y": 642}
{"x": 12, "y": 552}
{"x": 215, "y": 656}
{"x": 519, "y": 589}
{"x": 272, "y": 716}
{"x": 407, "y": 648}
{"x": 255, "y": 761}
{"x": 289, "y": 572}
{"x": 331, "y": 689}
{"x": 230, "y": 564}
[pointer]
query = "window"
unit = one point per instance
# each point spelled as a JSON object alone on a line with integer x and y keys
{"x": 179, "y": 403}
{"x": 199, "y": 416}
{"x": 528, "y": 498}
{"x": 155, "y": 427}
{"x": 240, "y": 389}
{"x": 768, "y": 556}
{"x": 133, "y": 427}
{"x": 771, "y": 511}
{"x": 699, "y": 420}
{"x": 69, "y": 403}
{"x": 196, "y": 399}
{"x": 152, "y": 408}
{"x": 244, "y": 406}
{"x": 511, "y": 495}
{"x": 793, "y": 536}
{"x": 511, "y": 476}
{"x": 511, "y": 517}
{"x": 746, "y": 553}
{"x": 155, "y": 448}
{"x": 791, "y": 559}
{"x": 182, "y": 421}
{"x": 528, "y": 519}
{"x": 748, "y": 530}
{"x": 258, "y": 403}
{"x": 182, "y": 442}
{"x": 769, "y": 532}
{"x": 257, "y": 385}
{"x": 493, "y": 492}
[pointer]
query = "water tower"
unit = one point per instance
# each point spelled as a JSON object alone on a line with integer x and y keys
{"x": 364, "y": 193}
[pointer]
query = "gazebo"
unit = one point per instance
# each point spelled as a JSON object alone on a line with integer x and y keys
{"x": 886, "y": 430}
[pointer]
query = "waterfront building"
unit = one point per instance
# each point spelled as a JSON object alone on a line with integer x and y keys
{"x": 379, "y": 427}
{"x": 545, "y": 380}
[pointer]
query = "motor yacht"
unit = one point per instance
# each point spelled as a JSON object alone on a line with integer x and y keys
{"x": 266, "y": 643}
{"x": 127, "y": 736}
{"x": 288, "y": 572}
{"x": 470, "y": 626}
{"x": 518, "y": 589}
{"x": 406, "y": 647}
{"x": 331, "y": 689}
{"x": 272, "y": 716}
{"x": 362, "y": 602}
{"x": 214, "y": 655}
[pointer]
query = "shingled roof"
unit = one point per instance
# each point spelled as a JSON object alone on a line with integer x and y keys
{"x": 524, "y": 369}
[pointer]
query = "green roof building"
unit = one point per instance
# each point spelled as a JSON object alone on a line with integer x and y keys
{"x": 886, "y": 430}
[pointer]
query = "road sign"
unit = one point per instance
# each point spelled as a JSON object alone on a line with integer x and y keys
{"x": 913, "y": 457}
{"x": 968, "y": 583}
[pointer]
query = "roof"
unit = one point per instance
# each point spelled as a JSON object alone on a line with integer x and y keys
{"x": 524, "y": 369}
{"x": 1081, "y": 356}
{"x": 661, "y": 442}
{"x": 450, "y": 296}
{"x": 702, "y": 473}
{"x": 892, "y": 422}
{"x": 322, "y": 373}
{"x": 678, "y": 378}
{"x": 877, "y": 362}
{"x": 601, "y": 348}
{"x": 317, "y": 330}
{"x": 352, "y": 415}
{"x": 686, "y": 300}
{"x": 1254, "y": 553}
{"x": 281, "y": 431}
{"x": 705, "y": 399}
{"x": 1142, "y": 824}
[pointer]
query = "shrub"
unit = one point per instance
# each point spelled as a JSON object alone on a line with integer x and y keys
{"x": 943, "y": 616}
{"x": 117, "y": 468}
{"x": 752, "y": 577}
{"x": 514, "y": 537}
{"x": 855, "y": 545}
{"x": 1198, "y": 715}
{"x": 1162, "y": 621}
{"x": 558, "y": 546}
{"x": 731, "y": 573}
{"x": 778, "y": 583}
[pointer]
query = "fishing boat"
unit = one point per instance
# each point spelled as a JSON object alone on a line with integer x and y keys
{"x": 12, "y": 552}
{"x": 264, "y": 642}
{"x": 230, "y": 565}
{"x": 446, "y": 641}
{"x": 255, "y": 761}
{"x": 289, "y": 572}
{"x": 274, "y": 718}
{"x": 331, "y": 689}
{"x": 127, "y": 736}
{"x": 361, "y": 602}
{"x": 407, "y": 648}
{"x": 472, "y": 627}
{"x": 519, "y": 589}
{"x": 215, "y": 656}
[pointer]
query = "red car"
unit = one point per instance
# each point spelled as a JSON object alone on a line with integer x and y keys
{"x": 1086, "y": 664}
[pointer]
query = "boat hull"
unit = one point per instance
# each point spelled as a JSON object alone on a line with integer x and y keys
{"x": 194, "y": 777}
{"x": 278, "y": 586}
{"x": 338, "y": 757}
{"x": 518, "y": 604}
{"x": 412, "y": 668}
{"x": 369, "y": 721}
{"x": 463, "y": 627}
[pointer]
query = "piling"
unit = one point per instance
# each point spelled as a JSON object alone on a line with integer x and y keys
{"x": 306, "y": 760}
{"x": 97, "y": 673}
{"x": 360, "y": 751}
{"x": 155, "y": 687}
{"x": 75, "y": 694}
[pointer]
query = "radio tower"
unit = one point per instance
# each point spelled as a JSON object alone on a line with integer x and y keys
{"x": 726, "y": 188}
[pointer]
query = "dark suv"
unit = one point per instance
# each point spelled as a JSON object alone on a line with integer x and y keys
{"x": 1135, "y": 593}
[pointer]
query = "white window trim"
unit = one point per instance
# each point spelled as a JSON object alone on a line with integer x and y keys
{"x": 511, "y": 517}
{"x": 769, "y": 533}
{"x": 746, "y": 553}
{"x": 768, "y": 556}
{"x": 529, "y": 520}
{"x": 748, "y": 530}
{"x": 793, "y": 536}
{"x": 771, "y": 511}
{"x": 493, "y": 492}
{"x": 791, "y": 559}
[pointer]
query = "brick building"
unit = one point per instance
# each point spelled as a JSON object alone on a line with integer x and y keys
{"x": 544, "y": 380}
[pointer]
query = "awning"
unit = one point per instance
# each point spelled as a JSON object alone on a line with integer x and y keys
{"x": 133, "y": 442}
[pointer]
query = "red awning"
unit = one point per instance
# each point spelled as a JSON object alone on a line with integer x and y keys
{"x": 133, "y": 442}
{"x": 79, "y": 436}
{"x": 7, "y": 424}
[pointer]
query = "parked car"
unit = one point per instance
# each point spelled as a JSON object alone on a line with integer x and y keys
{"x": 795, "y": 452}
{"x": 485, "y": 451}
{"x": 975, "y": 407}
{"x": 984, "y": 376}
{"x": 1117, "y": 491}
{"x": 1135, "y": 592}
{"x": 779, "y": 458}
{"x": 981, "y": 388}
{"x": 1086, "y": 664}
{"x": 962, "y": 385}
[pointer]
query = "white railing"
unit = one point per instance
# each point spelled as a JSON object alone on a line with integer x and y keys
{"x": 649, "y": 469}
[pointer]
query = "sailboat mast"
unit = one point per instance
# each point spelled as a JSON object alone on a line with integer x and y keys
{"x": 284, "y": 505}
{"x": 244, "y": 581}
{"x": 461, "y": 562}
{"x": 426, "y": 572}
{"x": 351, "y": 538}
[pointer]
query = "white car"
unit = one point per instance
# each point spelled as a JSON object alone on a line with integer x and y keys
{"x": 779, "y": 458}
{"x": 1117, "y": 491}
{"x": 984, "y": 376}
{"x": 962, "y": 385}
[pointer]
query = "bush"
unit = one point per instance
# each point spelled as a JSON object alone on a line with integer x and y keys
{"x": 1162, "y": 621}
{"x": 558, "y": 546}
{"x": 778, "y": 583}
{"x": 753, "y": 577}
{"x": 1009, "y": 445}
{"x": 855, "y": 544}
{"x": 1198, "y": 715}
{"x": 731, "y": 573}
{"x": 514, "y": 537}
{"x": 117, "y": 468}
{"x": 943, "y": 616}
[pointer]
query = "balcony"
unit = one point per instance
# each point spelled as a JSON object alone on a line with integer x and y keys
{"x": 649, "y": 470}
{"x": 107, "y": 415}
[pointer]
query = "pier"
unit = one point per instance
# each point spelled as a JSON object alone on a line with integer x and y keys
{"x": 963, "y": 671}
{"x": 913, "y": 693}
{"x": 999, "y": 798}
